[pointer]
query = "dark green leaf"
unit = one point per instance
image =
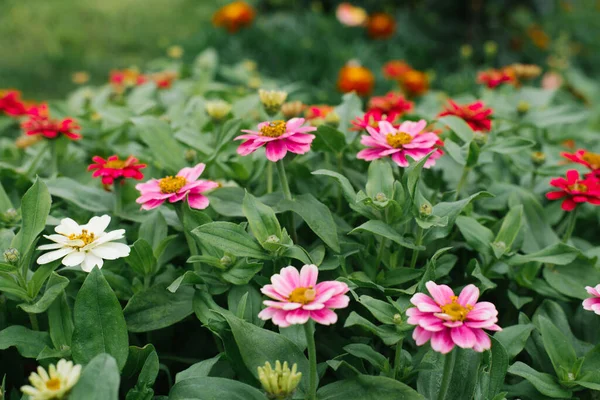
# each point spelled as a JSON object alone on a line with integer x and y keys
{"x": 99, "y": 380}
{"x": 29, "y": 343}
{"x": 157, "y": 308}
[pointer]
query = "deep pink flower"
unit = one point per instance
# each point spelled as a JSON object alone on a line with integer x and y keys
{"x": 475, "y": 114}
{"x": 373, "y": 117}
{"x": 40, "y": 123}
{"x": 593, "y": 303}
{"x": 185, "y": 185}
{"x": 575, "y": 191}
{"x": 406, "y": 140}
{"x": 299, "y": 297}
{"x": 586, "y": 158}
{"x": 11, "y": 103}
{"x": 278, "y": 137}
{"x": 449, "y": 320}
{"x": 112, "y": 168}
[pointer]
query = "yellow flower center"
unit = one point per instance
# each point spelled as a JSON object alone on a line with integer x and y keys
{"x": 302, "y": 295}
{"x": 592, "y": 158}
{"x": 53, "y": 384}
{"x": 273, "y": 129}
{"x": 115, "y": 164}
{"x": 456, "y": 311}
{"x": 398, "y": 139}
{"x": 578, "y": 187}
{"x": 86, "y": 237}
{"x": 171, "y": 184}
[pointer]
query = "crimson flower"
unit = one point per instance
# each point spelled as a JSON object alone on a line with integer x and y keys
{"x": 575, "y": 190}
{"x": 586, "y": 158}
{"x": 40, "y": 123}
{"x": 495, "y": 77}
{"x": 391, "y": 103}
{"x": 112, "y": 168}
{"x": 474, "y": 114}
{"x": 11, "y": 103}
{"x": 373, "y": 117}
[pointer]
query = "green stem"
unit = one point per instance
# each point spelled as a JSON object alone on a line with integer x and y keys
{"x": 415, "y": 253}
{"x": 462, "y": 181}
{"x": 449, "y": 361}
{"x": 34, "y": 322}
{"x": 380, "y": 253}
{"x": 312, "y": 359}
{"x": 36, "y": 160}
{"x": 118, "y": 191}
{"x": 190, "y": 240}
{"x": 533, "y": 177}
{"x": 269, "y": 177}
{"x": 147, "y": 281}
{"x": 397, "y": 359}
{"x": 285, "y": 187}
{"x": 340, "y": 161}
{"x": 570, "y": 226}
{"x": 54, "y": 156}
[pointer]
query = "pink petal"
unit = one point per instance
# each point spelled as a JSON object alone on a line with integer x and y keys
{"x": 400, "y": 159}
{"x": 324, "y": 316}
{"x": 425, "y": 303}
{"x": 248, "y": 147}
{"x": 370, "y": 154}
{"x": 191, "y": 174}
{"x": 279, "y": 318}
{"x": 339, "y": 301}
{"x": 276, "y": 150}
{"x": 298, "y": 316}
{"x": 589, "y": 304}
{"x": 463, "y": 336}
{"x": 442, "y": 342}
{"x": 198, "y": 201}
{"x": 150, "y": 204}
{"x": 297, "y": 148}
{"x": 301, "y": 138}
{"x": 270, "y": 291}
{"x": 291, "y": 277}
{"x": 386, "y": 128}
{"x": 468, "y": 296}
{"x": 442, "y": 294}
{"x": 421, "y": 336}
{"x": 309, "y": 275}
{"x": 482, "y": 341}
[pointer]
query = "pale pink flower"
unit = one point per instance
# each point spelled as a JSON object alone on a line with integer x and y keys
{"x": 449, "y": 320}
{"x": 299, "y": 297}
{"x": 406, "y": 140}
{"x": 351, "y": 15}
{"x": 278, "y": 137}
{"x": 593, "y": 303}
{"x": 185, "y": 185}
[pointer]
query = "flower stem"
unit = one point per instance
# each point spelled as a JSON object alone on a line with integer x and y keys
{"x": 449, "y": 361}
{"x": 285, "y": 187}
{"x": 179, "y": 209}
{"x": 415, "y": 253}
{"x": 34, "y": 322}
{"x": 397, "y": 359}
{"x": 380, "y": 253}
{"x": 462, "y": 181}
{"x": 34, "y": 163}
{"x": 54, "y": 158}
{"x": 118, "y": 191}
{"x": 570, "y": 226}
{"x": 312, "y": 359}
{"x": 269, "y": 177}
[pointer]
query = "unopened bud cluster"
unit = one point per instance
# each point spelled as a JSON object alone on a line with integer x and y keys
{"x": 217, "y": 109}
{"x": 272, "y": 100}
{"x": 279, "y": 382}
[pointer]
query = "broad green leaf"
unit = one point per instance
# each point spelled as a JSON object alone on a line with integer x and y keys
{"x": 99, "y": 380}
{"x": 350, "y": 108}
{"x": 572, "y": 279}
{"x": 558, "y": 254}
{"x": 380, "y": 179}
{"x": 514, "y": 338}
{"x": 210, "y": 388}
{"x": 262, "y": 220}
{"x": 141, "y": 259}
{"x": 451, "y": 210}
{"x": 366, "y": 387}
{"x": 511, "y": 225}
{"x": 477, "y": 273}
{"x": 54, "y": 287}
{"x": 413, "y": 172}
{"x": 367, "y": 353}
{"x": 28, "y": 343}
{"x": 241, "y": 272}
{"x": 253, "y": 303}
{"x": 60, "y": 322}
{"x": 380, "y": 228}
{"x": 230, "y": 129}
{"x": 99, "y": 323}
{"x": 493, "y": 371}
{"x": 157, "y": 135}
{"x": 388, "y": 333}
{"x": 198, "y": 370}
{"x": 88, "y": 198}
{"x": 328, "y": 138}
{"x": 458, "y": 126}
{"x": 472, "y": 155}
{"x": 153, "y": 228}
{"x": 477, "y": 236}
{"x": 382, "y": 311}
{"x": 35, "y": 207}
{"x": 347, "y": 189}
{"x": 39, "y": 277}
{"x": 157, "y": 308}
{"x": 518, "y": 301}
{"x": 510, "y": 145}
{"x": 544, "y": 383}
{"x": 231, "y": 238}
{"x": 559, "y": 348}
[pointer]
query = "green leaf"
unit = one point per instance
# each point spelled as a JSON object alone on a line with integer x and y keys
{"x": 99, "y": 380}
{"x": 54, "y": 287}
{"x": 559, "y": 348}
{"x": 88, "y": 198}
{"x": 328, "y": 138}
{"x": 199, "y": 369}
{"x": 262, "y": 220}
{"x": 141, "y": 259}
{"x": 316, "y": 215}
{"x": 477, "y": 273}
{"x": 209, "y": 388}
{"x": 28, "y": 343}
{"x": 230, "y": 129}
{"x": 544, "y": 383}
{"x": 518, "y": 301}
{"x": 99, "y": 323}
{"x": 157, "y": 308}
{"x": 477, "y": 236}
{"x": 366, "y": 387}
{"x": 572, "y": 279}
{"x": 231, "y": 238}
{"x": 511, "y": 225}
{"x": 493, "y": 371}
{"x": 367, "y": 353}
{"x": 458, "y": 126}
{"x": 380, "y": 179}
{"x": 472, "y": 155}
{"x": 558, "y": 254}
{"x": 514, "y": 338}
{"x": 40, "y": 276}
{"x": 347, "y": 189}
{"x": 388, "y": 333}
{"x": 451, "y": 210}
{"x": 157, "y": 135}
{"x": 380, "y": 228}
{"x": 35, "y": 207}
{"x": 153, "y": 228}
{"x": 510, "y": 145}
{"x": 351, "y": 107}
{"x": 382, "y": 311}
{"x": 60, "y": 322}
{"x": 5, "y": 202}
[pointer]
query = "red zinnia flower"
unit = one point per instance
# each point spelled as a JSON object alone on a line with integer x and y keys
{"x": 391, "y": 103}
{"x": 395, "y": 69}
{"x": 575, "y": 190}
{"x": 234, "y": 16}
{"x": 40, "y": 123}
{"x": 11, "y": 103}
{"x": 381, "y": 26}
{"x": 373, "y": 117}
{"x": 586, "y": 158}
{"x": 474, "y": 114}
{"x": 495, "y": 77}
{"x": 318, "y": 111}
{"x": 112, "y": 168}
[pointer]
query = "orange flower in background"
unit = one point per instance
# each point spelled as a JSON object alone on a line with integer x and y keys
{"x": 234, "y": 16}
{"x": 381, "y": 26}
{"x": 414, "y": 82}
{"x": 395, "y": 69}
{"x": 356, "y": 78}
{"x": 350, "y": 15}
{"x": 11, "y": 103}
{"x": 539, "y": 38}
{"x": 525, "y": 71}
{"x": 495, "y": 77}
{"x": 125, "y": 78}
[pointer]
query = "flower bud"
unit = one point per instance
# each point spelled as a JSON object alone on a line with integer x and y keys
{"x": 466, "y": 51}
{"x": 425, "y": 210}
{"x": 279, "y": 383}
{"x": 397, "y": 319}
{"x": 523, "y": 107}
{"x": 12, "y": 256}
{"x": 292, "y": 109}
{"x": 501, "y": 246}
{"x": 380, "y": 197}
{"x": 226, "y": 261}
{"x": 538, "y": 157}
{"x": 175, "y": 52}
{"x": 272, "y": 100}
{"x": 480, "y": 138}
{"x": 217, "y": 109}
{"x": 190, "y": 155}
{"x": 272, "y": 239}
{"x": 332, "y": 119}
{"x": 490, "y": 48}
{"x": 249, "y": 65}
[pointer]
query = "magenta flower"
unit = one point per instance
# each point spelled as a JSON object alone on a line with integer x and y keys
{"x": 185, "y": 185}
{"x": 593, "y": 303}
{"x": 279, "y": 137}
{"x": 299, "y": 297}
{"x": 406, "y": 140}
{"x": 449, "y": 320}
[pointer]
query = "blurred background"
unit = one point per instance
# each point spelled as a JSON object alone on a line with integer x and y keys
{"x": 45, "y": 43}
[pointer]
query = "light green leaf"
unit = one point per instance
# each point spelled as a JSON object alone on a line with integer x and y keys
{"x": 35, "y": 207}
{"x": 157, "y": 135}
{"x": 458, "y": 126}
{"x": 380, "y": 228}
{"x": 231, "y": 238}
{"x": 88, "y": 198}
{"x": 99, "y": 380}
{"x": 262, "y": 220}
{"x": 54, "y": 287}
{"x": 546, "y": 384}
{"x": 366, "y": 387}
{"x": 558, "y": 254}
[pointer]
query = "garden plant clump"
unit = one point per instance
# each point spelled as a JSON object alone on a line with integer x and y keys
{"x": 201, "y": 231}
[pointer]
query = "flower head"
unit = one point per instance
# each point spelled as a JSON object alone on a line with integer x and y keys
{"x": 278, "y": 137}
{"x": 414, "y": 82}
{"x": 592, "y": 303}
{"x": 381, "y": 26}
{"x": 292, "y": 109}
{"x": 86, "y": 245}
{"x": 391, "y": 103}
{"x": 112, "y": 168}
{"x": 350, "y": 15}
{"x": 40, "y": 123}
{"x": 474, "y": 114}
{"x": 280, "y": 382}
{"x": 80, "y": 77}
{"x": 395, "y": 69}
{"x": 406, "y": 140}
{"x": 495, "y": 77}
{"x": 525, "y": 71}
{"x": 184, "y": 185}
{"x": 355, "y": 78}
{"x": 448, "y": 320}
{"x": 234, "y": 16}
{"x": 54, "y": 384}
{"x": 574, "y": 190}
{"x": 126, "y": 78}
{"x": 586, "y": 158}
{"x": 373, "y": 117}
{"x": 163, "y": 79}
{"x": 272, "y": 100}
{"x": 11, "y": 103}
{"x": 175, "y": 52}
{"x": 217, "y": 109}
{"x": 297, "y": 297}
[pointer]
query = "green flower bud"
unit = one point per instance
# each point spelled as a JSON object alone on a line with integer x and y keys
{"x": 397, "y": 319}
{"x": 281, "y": 382}
{"x": 190, "y": 155}
{"x": 272, "y": 239}
{"x": 490, "y": 48}
{"x": 466, "y": 51}
{"x": 217, "y": 109}
{"x": 380, "y": 197}
{"x": 226, "y": 261}
{"x": 332, "y": 119}
{"x": 480, "y": 138}
{"x": 523, "y": 107}
{"x": 272, "y": 100}
{"x": 12, "y": 256}
{"x": 425, "y": 210}
{"x": 538, "y": 157}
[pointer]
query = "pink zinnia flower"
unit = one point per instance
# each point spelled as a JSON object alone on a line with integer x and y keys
{"x": 299, "y": 297}
{"x": 373, "y": 117}
{"x": 278, "y": 137}
{"x": 112, "y": 168}
{"x": 574, "y": 190}
{"x": 449, "y": 320}
{"x": 475, "y": 114}
{"x": 406, "y": 140}
{"x": 593, "y": 303}
{"x": 185, "y": 185}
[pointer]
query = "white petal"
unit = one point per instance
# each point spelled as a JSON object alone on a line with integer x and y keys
{"x": 68, "y": 227}
{"x": 97, "y": 225}
{"x": 111, "y": 251}
{"x": 54, "y": 255}
{"x": 57, "y": 238}
{"x": 52, "y": 246}
{"x": 90, "y": 262}
{"x": 113, "y": 235}
{"x": 74, "y": 259}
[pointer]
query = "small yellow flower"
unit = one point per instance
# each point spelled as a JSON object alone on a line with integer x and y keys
{"x": 250, "y": 65}
{"x": 217, "y": 109}
{"x": 523, "y": 107}
{"x": 466, "y": 51}
{"x": 272, "y": 100}
{"x": 281, "y": 382}
{"x": 292, "y": 109}
{"x": 490, "y": 47}
{"x": 80, "y": 77}
{"x": 54, "y": 384}
{"x": 175, "y": 52}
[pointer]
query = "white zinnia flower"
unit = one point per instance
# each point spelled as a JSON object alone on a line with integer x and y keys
{"x": 55, "y": 383}
{"x": 87, "y": 244}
